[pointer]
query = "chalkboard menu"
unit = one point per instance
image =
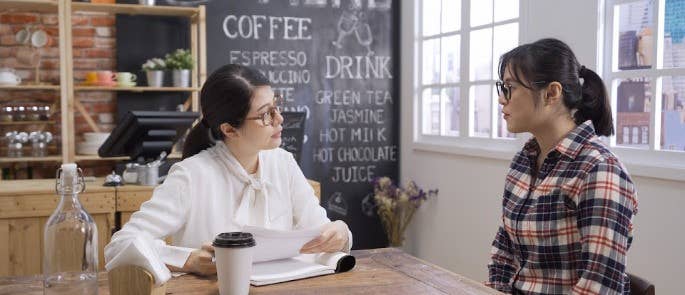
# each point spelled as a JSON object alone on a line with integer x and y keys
{"x": 292, "y": 135}
{"x": 336, "y": 61}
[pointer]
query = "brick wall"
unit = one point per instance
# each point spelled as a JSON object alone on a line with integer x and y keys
{"x": 94, "y": 48}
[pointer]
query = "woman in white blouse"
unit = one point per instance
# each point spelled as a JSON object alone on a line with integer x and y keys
{"x": 233, "y": 174}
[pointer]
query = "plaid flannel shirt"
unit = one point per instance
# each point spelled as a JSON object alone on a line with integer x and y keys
{"x": 567, "y": 228}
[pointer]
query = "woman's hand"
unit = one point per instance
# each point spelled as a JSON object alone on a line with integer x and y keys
{"x": 332, "y": 239}
{"x": 200, "y": 261}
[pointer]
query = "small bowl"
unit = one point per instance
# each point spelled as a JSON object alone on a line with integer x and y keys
{"x": 87, "y": 148}
{"x": 95, "y": 137}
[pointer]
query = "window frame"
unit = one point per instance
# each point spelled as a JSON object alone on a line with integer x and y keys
{"x": 664, "y": 165}
{"x": 652, "y": 162}
{"x": 465, "y": 143}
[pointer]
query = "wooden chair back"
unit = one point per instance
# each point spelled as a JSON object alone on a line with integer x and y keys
{"x": 133, "y": 280}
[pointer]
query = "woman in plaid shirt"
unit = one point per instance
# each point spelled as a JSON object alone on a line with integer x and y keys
{"x": 568, "y": 201}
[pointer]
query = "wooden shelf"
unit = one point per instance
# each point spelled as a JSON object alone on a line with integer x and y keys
{"x": 98, "y": 158}
{"x": 29, "y": 87}
{"x": 12, "y": 123}
{"x": 28, "y": 5}
{"x": 31, "y": 159}
{"x": 68, "y": 104}
{"x": 134, "y": 9}
{"x": 135, "y": 89}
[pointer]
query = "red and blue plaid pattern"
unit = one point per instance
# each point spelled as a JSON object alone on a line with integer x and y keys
{"x": 567, "y": 228}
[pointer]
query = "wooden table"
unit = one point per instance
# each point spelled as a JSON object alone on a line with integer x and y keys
{"x": 378, "y": 271}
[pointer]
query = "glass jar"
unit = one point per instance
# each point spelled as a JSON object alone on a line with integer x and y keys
{"x": 19, "y": 113}
{"x": 33, "y": 114}
{"x": 6, "y": 114}
{"x": 44, "y": 112}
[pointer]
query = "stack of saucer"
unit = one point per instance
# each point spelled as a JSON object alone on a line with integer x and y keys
{"x": 92, "y": 142}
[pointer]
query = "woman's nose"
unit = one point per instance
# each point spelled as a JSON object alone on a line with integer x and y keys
{"x": 279, "y": 118}
{"x": 502, "y": 100}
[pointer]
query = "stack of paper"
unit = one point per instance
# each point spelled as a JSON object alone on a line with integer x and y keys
{"x": 277, "y": 257}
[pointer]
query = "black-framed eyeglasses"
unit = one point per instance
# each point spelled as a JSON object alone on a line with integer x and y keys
{"x": 504, "y": 88}
{"x": 269, "y": 116}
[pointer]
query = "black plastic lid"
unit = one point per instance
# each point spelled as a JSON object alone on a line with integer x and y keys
{"x": 234, "y": 240}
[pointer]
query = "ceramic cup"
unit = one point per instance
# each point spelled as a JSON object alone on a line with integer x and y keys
{"x": 125, "y": 79}
{"x": 23, "y": 36}
{"x": 105, "y": 78}
{"x": 39, "y": 38}
{"x": 91, "y": 78}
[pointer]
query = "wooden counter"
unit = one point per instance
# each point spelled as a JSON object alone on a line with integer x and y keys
{"x": 129, "y": 199}
{"x": 26, "y": 205}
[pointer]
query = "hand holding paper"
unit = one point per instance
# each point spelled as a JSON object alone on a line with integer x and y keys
{"x": 277, "y": 244}
{"x": 332, "y": 239}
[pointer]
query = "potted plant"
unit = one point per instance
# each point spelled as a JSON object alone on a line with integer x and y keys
{"x": 154, "y": 71}
{"x": 180, "y": 62}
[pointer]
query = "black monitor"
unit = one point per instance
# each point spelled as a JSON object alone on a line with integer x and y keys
{"x": 146, "y": 134}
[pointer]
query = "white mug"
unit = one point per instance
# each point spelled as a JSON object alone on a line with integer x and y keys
{"x": 125, "y": 78}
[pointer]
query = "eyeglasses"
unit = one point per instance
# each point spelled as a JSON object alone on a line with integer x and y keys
{"x": 270, "y": 114}
{"x": 504, "y": 88}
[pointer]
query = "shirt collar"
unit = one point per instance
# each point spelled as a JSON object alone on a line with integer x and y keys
{"x": 226, "y": 157}
{"x": 569, "y": 146}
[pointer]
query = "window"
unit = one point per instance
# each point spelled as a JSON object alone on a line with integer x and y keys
{"x": 645, "y": 73}
{"x": 459, "y": 46}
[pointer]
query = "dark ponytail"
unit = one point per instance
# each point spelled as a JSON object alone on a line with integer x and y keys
{"x": 225, "y": 98}
{"x": 198, "y": 139}
{"x": 594, "y": 104}
{"x": 552, "y": 60}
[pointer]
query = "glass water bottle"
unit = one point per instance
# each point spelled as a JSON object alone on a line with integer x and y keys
{"x": 70, "y": 255}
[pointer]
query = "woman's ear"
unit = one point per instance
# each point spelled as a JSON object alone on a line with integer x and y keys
{"x": 553, "y": 93}
{"x": 228, "y": 131}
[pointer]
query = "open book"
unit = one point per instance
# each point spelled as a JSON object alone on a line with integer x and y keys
{"x": 300, "y": 267}
{"x": 277, "y": 257}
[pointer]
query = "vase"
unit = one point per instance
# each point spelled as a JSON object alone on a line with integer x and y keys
{"x": 396, "y": 241}
{"x": 155, "y": 78}
{"x": 395, "y": 224}
{"x": 181, "y": 78}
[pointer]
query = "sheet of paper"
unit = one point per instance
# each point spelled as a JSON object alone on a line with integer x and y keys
{"x": 278, "y": 244}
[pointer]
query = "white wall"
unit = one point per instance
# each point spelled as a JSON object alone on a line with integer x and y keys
{"x": 456, "y": 229}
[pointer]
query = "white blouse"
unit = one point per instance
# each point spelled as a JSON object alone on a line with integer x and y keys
{"x": 210, "y": 193}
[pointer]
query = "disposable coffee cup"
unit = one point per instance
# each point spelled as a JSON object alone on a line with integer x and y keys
{"x": 233, "y": 253}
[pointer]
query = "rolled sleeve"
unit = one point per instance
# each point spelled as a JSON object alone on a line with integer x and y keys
{"x": 162, "y": 215}
{"x": 502, "y": 266}
{"x": 606, "y": 206}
